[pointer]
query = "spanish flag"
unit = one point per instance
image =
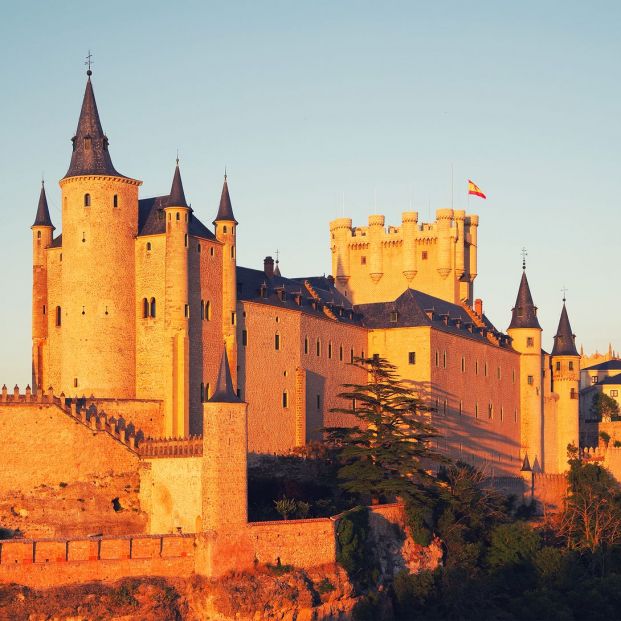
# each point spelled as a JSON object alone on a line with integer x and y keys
{"x": 473, "y": 188}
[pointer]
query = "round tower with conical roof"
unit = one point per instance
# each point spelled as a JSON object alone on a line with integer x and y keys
{"x": 42, "y": 232}
{"x": 177, "y": 310}
{"x": 226, "y": 233}
{"x": 97, "y": 316}
{"x": 525, "y": 333}
{"x": 565, "y": 363}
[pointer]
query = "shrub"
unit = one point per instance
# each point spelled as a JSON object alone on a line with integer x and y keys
{"x": 512, "y": 543}
{"x": 285, "y": 507}
{"x": 325, "y": 586}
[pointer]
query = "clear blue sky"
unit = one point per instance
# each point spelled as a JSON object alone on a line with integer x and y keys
{"x": 305, "y": 102}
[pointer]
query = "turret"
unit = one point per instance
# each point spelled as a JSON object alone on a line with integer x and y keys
{"x": 565, "y": 362}
{"x": 97, "y": 316}
{"x": 444, "y": 218}
{"x": 376, "y": 258}
{"x": 525, "y": 333}
{"x": 42, "y": 231}
{"x": 340, "y": 234}
{"x": 409, "y": 226}
{"x": 226, "y": 230}
{"x": 177, "y": 310}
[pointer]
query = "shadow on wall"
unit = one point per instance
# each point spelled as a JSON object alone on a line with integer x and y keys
{"x": 315, "y": 404}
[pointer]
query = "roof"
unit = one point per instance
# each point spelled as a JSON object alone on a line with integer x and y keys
{"x": 43, "y": 213}
{"x": 151, "y": 219}
{"x": 57, "y": 242}
{"x": 415, "y": 308}
{"x": 176, "y": 197}
{"x": 524, "y": 311}
{"x": 313, "y": 296}
{"x": 613, "y": 379}
{"x": 224, "y": 391}
{"x": 90, "y": 154}
{"x": 564, "y": 341}
{"x": 225, "y": 210}
{"x": 609, "y": 365}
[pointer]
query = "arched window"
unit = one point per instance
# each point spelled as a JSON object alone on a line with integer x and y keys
{"x": 152, "y": 307}
{"x": 145, "y": 308}
{"x": 148, "y": 246}
{"x": 115, "y": 200}
{"x": 318, "y": 347}
{"x": 208, "y": 310}
{"x": 87, "y": 200}
{"x": 58, "y": 316}
{"x": 224, "y": 229}
{"x": 277, "y": 341}
{"x": 38, "y": 234}
{"x": 177, "y": 215}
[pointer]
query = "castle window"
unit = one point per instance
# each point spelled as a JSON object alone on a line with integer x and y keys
{"x": 530, "y": 341}
{"x": 208, "y": 311}
{"x": 353, "y": 405}
{"x": 499, "y": 373}
{"x": 232, "y": 252}
{"x": 233, "y": 318}
{"x": 341, "y": 353}
{"x": 277, "y": 341}
{"x": 198, "y": 248}
{"x": 363, "y": 260}
{"x": 330, "y": 350}
{"x": 476, "y": 410}
{"x": 318, "y": 347}
{"x": 224, "y": 229}
{"x": 613, "y": 393}
{"x": 61, "y": 256}
{"x": 444, "y": 360}
{"x": 202, "y": 392}
{"x": 202, "y": 309}
{"x": 461, "y": 408}
{"x": 594, "y": 379}
{"x": 185, "y": 240}
{"x": 490, "y": 411}
{"x": 485, "y": 369}
{"x": 318, "y": 402}
{"x": 115, "y": 200}
{"x": 437, "y": 358}
{"x": 530, "y": 380}
{"x": 44, "y": 309}
{"x": 145, "y": 308}
{"x": 571, "y": 365}
{"x": 152, "y": 307}
{"x": 513, "y": 376}
{"x": 558, "y": 366}
{"x": 186, "y": 311}
{"x": 424, "y": 255}
{"x": 177, "y": 216}
{"x": 87, "y": 200}
{"x": 502, "y": 414}
{"x": 244, "y": 338}
{"x": 463, "y": 364}
{"x": 211, "y": 251}
{"x": 58, "y": 317}
{"x": 305, "y": 344}
{"x": 476, "y": 367}
{"x": 75, "y": 382}
{"x": 148, "y": 246}
{"x": 394, "y": 316}
{"x": 285, "y": 399}
{"x": 515, "y": 415}
{"x": 412, "y": 357}
{"x": 351, "y": 356}
{"x": 38, "y": 234}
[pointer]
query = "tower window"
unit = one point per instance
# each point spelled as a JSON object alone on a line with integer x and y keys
{"x": 318, "y": 347}
{"x": 571, "y": 365}
{"x": 145, "y": 308}
{"x": 202, "y": 392}
{"x": 148, "y": 246}
{"x": 444, "y": 360}
{"x": 87, "y": 200}
{"x": 476, "y": 410}
{"x": 233, "y": 318}
{"x": 351, "y": 356}
{"x": 285, "y": 399}
{"x": 305, "y": 344}
{"x": 177, "y": 216}
{"x": 318, "y": 402}
{"x": 277, "y": 341}
{"x": 208, "y": 311}
{"x": 198, "y": 248}
{"x": 330, "y": 350}
{"x": 186, "y": 311}
{"x": 224, "y": 229}
{"x": 38, "y": 234}
{"x": 232, "y": 252}
{"x": 115, "y": 200}
{"x": 202, "y": 309}
{"x": 58, "y": 316}
{"x": 530, "y": 380}
{"x": 558, "y": 366}
{"x": 412, "y": 357}
{"x": 437, "y": 358}
{"x": 424, "y": 255}
{"x": 530, "y": 341}
{"x": 363, "y": 260}
{"x": 490, "y": 411}
{"x": 211, "y": 251}
{"x": 244, "y": 337}
{"x": 463, "y": 364}
{"x": 75, "y": 382}
{"x": 185, "y": 240}
{"x": 152, "y": 307}
{"x": 44, "y": 309}
{"x": 341, "y": 353}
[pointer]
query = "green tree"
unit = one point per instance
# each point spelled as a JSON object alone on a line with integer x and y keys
{"x": 604, "y": 407}
{"x": 388, "y": 453}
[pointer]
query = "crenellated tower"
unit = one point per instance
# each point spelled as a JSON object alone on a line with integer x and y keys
{"x": 97, "y": 313}
{"x": 42, "y": 232}
{"x": 378, "y": 263}
{"x": 226, "y": 231}
{"x": 565, "y": 363}
{"x": 525, "y": 333}
{"x": 177, "y": 310}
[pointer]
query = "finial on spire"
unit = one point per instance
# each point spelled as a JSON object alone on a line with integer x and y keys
{"x": 88, "y": 63}
{"x": 177, "y": 157}
{"x": 277, "y": 253}
{"x": 524, "y": 255}
{"x": 564, "y": 290}
{"x": 225, "y": 175}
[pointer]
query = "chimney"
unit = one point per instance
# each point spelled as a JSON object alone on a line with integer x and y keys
{"x": 478, "y": 307}
{"x": 268, "y": 267}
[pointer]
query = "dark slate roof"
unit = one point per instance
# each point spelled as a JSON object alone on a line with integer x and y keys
{"x": 254, "y": 285}
{"x": 565, "y": 340}
{"x": 224, "y": 391}
{"x": 524, "y": 311}
{"x": 57, "y": 242}
{"x": 92, "y": 158}
{"x": 415, "y": 308}
{"x": 177, "y": 195}
{"x": 43, "y": 213}
{"x": 151, "y": 219}
{"x": 225, "y": 210}
{"x": 613, "y": 379}
{"x": 609, "y": 365}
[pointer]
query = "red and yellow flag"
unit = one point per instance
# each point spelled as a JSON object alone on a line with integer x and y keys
{"x": 473, "y": 188}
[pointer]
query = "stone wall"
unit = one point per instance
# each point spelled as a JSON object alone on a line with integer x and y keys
{"x": 145, "y": 414}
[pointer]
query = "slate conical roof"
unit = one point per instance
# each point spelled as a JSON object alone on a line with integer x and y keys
{"x": 224, "y": 391}
{"x": 90, "y": 145}
{"x": 43, "y": 213}
{"x": 524, "y": 311}
{"x": 177, "y": 195}
{"x": 565, "y": 340}
{"x": 225, "y": 211}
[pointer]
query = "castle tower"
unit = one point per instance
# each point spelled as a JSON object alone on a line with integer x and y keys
{"x": 225, "y": 456}
{"x": 42, "y": 231}
{"x": 525, "y": 333}
{"x": 177, "y": 311}
{"x": 225, "y": 230}
{"x": 340, "y": 232}
{"x": 97, "y": 317}
{"x": 565, "y": 362}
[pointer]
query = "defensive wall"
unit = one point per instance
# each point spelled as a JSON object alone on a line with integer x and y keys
{"x": 54, "y": 562}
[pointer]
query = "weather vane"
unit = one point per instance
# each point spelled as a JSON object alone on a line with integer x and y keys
{"x": 88, "y": 63}
{"x": 277, "y": 253}
{"x": 524, "y": 255}
{"x": 564, "y": 290}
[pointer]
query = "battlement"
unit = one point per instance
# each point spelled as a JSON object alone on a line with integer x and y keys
{"x": 171, "y": 447}
{"x": 82, "y": 410}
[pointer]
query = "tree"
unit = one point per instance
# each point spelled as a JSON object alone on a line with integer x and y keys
{"x": 604, "y": 407}
{"x": 388, "y": 453}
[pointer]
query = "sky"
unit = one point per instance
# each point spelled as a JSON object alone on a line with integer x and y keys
{"x": 326, "y": 107}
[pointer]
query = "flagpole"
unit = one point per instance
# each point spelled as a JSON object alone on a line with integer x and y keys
{"x": 452, "y": 186}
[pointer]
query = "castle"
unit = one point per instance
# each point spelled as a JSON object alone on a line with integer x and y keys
{"x": 147, "y": 336}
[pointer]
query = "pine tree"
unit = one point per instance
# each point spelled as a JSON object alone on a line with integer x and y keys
{"x": 388, "y": 454}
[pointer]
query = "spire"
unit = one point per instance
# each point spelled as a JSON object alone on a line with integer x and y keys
{"x": 43, "y": 213}
{"x": 225, "y": 211}
{"x": 90, "y": 145}
{"x": 524, "y": 311}
{"x": 224, "y": 392}
{"x": 177, "y": 195}
{"x": 564, "y": 341}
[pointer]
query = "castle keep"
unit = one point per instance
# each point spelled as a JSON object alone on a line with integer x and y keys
{"x": 156, "y": 351}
